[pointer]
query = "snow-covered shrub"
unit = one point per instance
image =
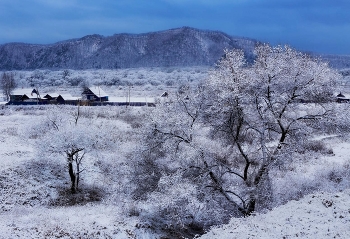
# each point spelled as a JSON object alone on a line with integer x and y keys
{"x": 76, "y": 81}
{"x": 12, "y": 131}
{"x": 176, "y": 209}
{"x": 318, "y": 146}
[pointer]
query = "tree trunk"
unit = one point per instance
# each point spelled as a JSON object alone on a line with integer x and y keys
{"x": 250, "y": 206}
{"x": 72, "y": 177}
{"x": 77, "y": 176}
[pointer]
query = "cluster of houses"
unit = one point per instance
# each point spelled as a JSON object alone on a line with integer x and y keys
{"x": 91, "y": 96}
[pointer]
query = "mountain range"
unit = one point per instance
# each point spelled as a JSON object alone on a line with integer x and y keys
{"x": 175, "y": 47}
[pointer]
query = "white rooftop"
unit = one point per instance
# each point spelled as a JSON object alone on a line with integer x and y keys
{"x": 132, "y": 99}
{"x": 98, "y": 91}
{"x": 22, "y": 91}
{"x": 69, "y": 97}
{"x": 53, "y": 95}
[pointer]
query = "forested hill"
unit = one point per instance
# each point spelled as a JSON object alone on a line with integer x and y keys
{"x": 176, "y": 47}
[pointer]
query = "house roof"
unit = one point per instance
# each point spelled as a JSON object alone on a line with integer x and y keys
{"x": 98, "y": 91}
{"x": 22, "y": 91}
{"x": 53, "y": 95}
{"x": 341, "y": 95}
{"x": 69, "y": 97}
{"x": 132, "y": 99}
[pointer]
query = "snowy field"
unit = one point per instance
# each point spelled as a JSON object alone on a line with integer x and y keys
{"x": 311, "y": 197}
{"x": 36, "y": 203}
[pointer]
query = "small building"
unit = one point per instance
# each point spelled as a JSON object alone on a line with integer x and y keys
{"x": 20, "y": 95}
{"x": 16, "y": 98}
{"x": 94, "y": 93}
{"x": 131, "y": 101}
{"x": 165, "y": 94}
{"x": 342, "y": 98}
{"x": 68, "y": 99}
{"x": 51, "y": 96}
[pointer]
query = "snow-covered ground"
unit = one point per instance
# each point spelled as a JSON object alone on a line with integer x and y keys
{"x": 320, "y": 215}
{"x": 35, "y": 203}
{"x": 34, "y": 200}
{"x": 324, "y": 213}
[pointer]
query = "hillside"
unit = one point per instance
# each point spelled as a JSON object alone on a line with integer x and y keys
{"x": 176, "y": 47}
{"x": 320, "y": 215}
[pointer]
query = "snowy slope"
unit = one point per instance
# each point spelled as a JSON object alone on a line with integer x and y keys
{"x": 321, "y": 215}
{"x": 175, "y": 47}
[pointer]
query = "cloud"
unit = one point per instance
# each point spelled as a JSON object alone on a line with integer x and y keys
{"x": 276, "y": 21}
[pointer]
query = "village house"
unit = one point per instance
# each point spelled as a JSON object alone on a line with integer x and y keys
{"x": 92, "y": 96}
{"x": 94, "y": 93}
{"x": 342, "y": 98}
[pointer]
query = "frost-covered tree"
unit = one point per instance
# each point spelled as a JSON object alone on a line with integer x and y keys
{"x": 226, "y": 135}
{"x": 68, "y": 134}
{"x": 258, "y": 112}
{"x": 7, "y": 84}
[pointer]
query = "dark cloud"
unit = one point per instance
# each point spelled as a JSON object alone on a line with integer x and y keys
{"x": 315, "y": 25}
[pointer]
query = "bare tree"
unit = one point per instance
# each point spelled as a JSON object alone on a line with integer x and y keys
{"x": 7, "y": 84}
{"x": 65, "y": 74}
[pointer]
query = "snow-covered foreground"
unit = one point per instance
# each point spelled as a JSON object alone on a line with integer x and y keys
{"x": 90, "y": 221}
{"x": 323, "y": 214}
{"x": 320, "y": 215}
{"x": 34, "y": 193}
{"x": 35, "y": 200}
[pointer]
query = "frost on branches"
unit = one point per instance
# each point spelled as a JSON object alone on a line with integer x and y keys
{"x": 225, "y": 135}
{"x": 71, "y": 136}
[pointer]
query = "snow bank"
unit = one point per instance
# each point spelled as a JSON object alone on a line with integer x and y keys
{"x": 321, "y": 215}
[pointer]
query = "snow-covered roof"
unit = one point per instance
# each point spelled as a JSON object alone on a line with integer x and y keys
{"x": 22, "y": 91}
{"x": 53, "y": 95}
{"x": 132, "y": 99}
{"x": 343, "y": 96}
{"x": 98, "y": 91}
{"x": 69, "y": 97}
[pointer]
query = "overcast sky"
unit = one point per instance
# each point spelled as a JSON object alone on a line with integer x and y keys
{"x": 312, "y": 25}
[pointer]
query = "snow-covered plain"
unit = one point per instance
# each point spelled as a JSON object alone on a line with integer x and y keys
{"x": 35, "y": 201}
{"x": 34, "y": 191}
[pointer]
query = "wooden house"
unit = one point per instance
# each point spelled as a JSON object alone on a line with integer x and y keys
{"x": 20, "y": 95}
{"x": 165, "y": 94}
{"x": 51, "y": 96}
{"x": 94, "y": 93}
{"x": 16, "y": 98}
{"x": 342, "y": 98}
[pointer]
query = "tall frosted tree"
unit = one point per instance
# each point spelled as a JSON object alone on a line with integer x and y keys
{"x": 227, "y": 135}
{"x": 259, "y": 112}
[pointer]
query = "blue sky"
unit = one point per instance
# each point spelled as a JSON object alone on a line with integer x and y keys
{"x": 311, "y": 25}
